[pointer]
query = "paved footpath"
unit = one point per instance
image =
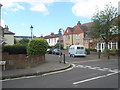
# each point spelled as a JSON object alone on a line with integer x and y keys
{"x": 50, "y": 65}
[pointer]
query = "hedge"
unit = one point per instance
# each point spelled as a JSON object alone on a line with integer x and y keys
{"x": 112, "y": 50}
{"x": 90, "y": 49}
{"x": 15, "y": 49}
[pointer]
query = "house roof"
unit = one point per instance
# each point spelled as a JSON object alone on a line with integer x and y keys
{"x": 22, "y": 36}
{"x": 52, "y": 35}
{"x": 87, "y": 24}
{"x": 8, "y": 32}
{"x": 77, "y": 29}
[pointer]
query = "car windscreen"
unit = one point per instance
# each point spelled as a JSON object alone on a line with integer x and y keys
{"x": 80, "y": 47}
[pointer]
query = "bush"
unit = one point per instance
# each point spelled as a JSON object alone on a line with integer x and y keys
{"x": 90, "y": 49}
{"x": 24, "y": 41}
{"x": 113, "y": 50}
{"x": 37, "y": 47}
{"x": 59, "y": 46}
{"x": 15, "y": 49}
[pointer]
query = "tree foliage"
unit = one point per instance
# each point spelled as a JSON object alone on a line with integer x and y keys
{"x": 37, "y": 46}
{"x": 59, "y": 45}
{"x": 24, "y": 41}
{"x": 103, "y": 24}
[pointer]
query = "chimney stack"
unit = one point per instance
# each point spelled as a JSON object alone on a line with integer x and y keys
{"x": 78, "y": 23}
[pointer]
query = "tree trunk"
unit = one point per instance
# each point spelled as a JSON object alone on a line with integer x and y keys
{"x": 107, "y": 50}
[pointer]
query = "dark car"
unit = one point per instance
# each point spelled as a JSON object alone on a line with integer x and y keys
{"x": 57, "y": 51}
{"x": 50, "y": 50}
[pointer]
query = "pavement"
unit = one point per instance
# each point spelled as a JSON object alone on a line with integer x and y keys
{"x": 50, "y": 65}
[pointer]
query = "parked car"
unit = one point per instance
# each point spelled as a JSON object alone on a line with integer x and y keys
{"x": 50, "y": 50}
{"x": 57, "y": 51}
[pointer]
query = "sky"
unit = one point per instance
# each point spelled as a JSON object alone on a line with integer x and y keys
{"x": 48, "y": 16}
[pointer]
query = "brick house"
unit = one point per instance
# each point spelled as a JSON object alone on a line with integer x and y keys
{"x": 77, "y": 35}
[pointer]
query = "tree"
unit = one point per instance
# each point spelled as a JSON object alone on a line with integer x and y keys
{"x": 15, "y": 41}
{"x": 59, "y": 45}
{"x": 104, "y": 27}
{"x": 24, "y": 41}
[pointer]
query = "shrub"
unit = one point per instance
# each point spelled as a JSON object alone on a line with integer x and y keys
{"x": 24, "y": 41}
{"x": 90, "y": 49}
{"x": 15, "y": 49}
{"x": 112, "y": 50}
{"x": 37, "y": 47}
{"x": 59, "y": 46}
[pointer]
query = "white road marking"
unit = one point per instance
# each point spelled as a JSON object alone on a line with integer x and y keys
{"x": 97, "y": 68}
{"x": 94, "y": 78}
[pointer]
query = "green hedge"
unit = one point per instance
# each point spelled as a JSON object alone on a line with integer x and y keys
{"x": 37, "y": 47}
{"x": 90, "y": 49}
{"x": 112, "y": 50}
{"x": 15, "y": 49}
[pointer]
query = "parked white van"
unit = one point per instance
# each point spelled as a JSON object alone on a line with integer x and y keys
{"x": 76, "y": 50}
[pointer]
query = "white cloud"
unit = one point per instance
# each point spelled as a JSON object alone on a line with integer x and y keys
{"x": 17, "y": 7}
{"x": 2, "y": 23}
{"x": 22, "y": 24}
{"x": 86, "y": 8}
{"x": 36, "y": 5}
{"x": 40, "y": 8}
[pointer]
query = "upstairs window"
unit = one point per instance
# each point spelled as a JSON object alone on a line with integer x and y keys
{"x": 77, "y": 36}
{"x": 67, "y": 37}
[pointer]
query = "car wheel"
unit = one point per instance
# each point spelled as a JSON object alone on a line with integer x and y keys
{"x": 73, "y": 55}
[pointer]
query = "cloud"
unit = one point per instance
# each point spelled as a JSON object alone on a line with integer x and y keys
{"x": 2, "y": 23}
{"x": 86, "y": 8}
{"x": 17, "y": 7}
{"x": 36, "y": 5}
{"x": 40, "y": 8}
{"x": 22, "y": 24}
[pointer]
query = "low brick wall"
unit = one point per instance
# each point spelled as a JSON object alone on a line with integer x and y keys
{"x": 19, "y": 61}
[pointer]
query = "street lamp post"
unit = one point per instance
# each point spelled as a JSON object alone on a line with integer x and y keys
{"x": 31, "y": 28}
{"x": 60, "y": 34}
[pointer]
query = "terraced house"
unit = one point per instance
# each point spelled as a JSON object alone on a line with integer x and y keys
{"x": 52, "y": 39}
{"x": 77, "y": 35}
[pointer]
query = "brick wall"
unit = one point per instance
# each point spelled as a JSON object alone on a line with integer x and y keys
{"x": 19, "y": 61}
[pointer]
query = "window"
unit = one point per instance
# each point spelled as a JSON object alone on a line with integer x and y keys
{"x": 80, "y": 47}
{"x": 114, "y": 46}
{"x": 67, "y": 37}
{"x": 49, "y": 40}
{"x": 86, "y": 41}
{"x": 77, "y": 36}
{"x": 55, "y": 40}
